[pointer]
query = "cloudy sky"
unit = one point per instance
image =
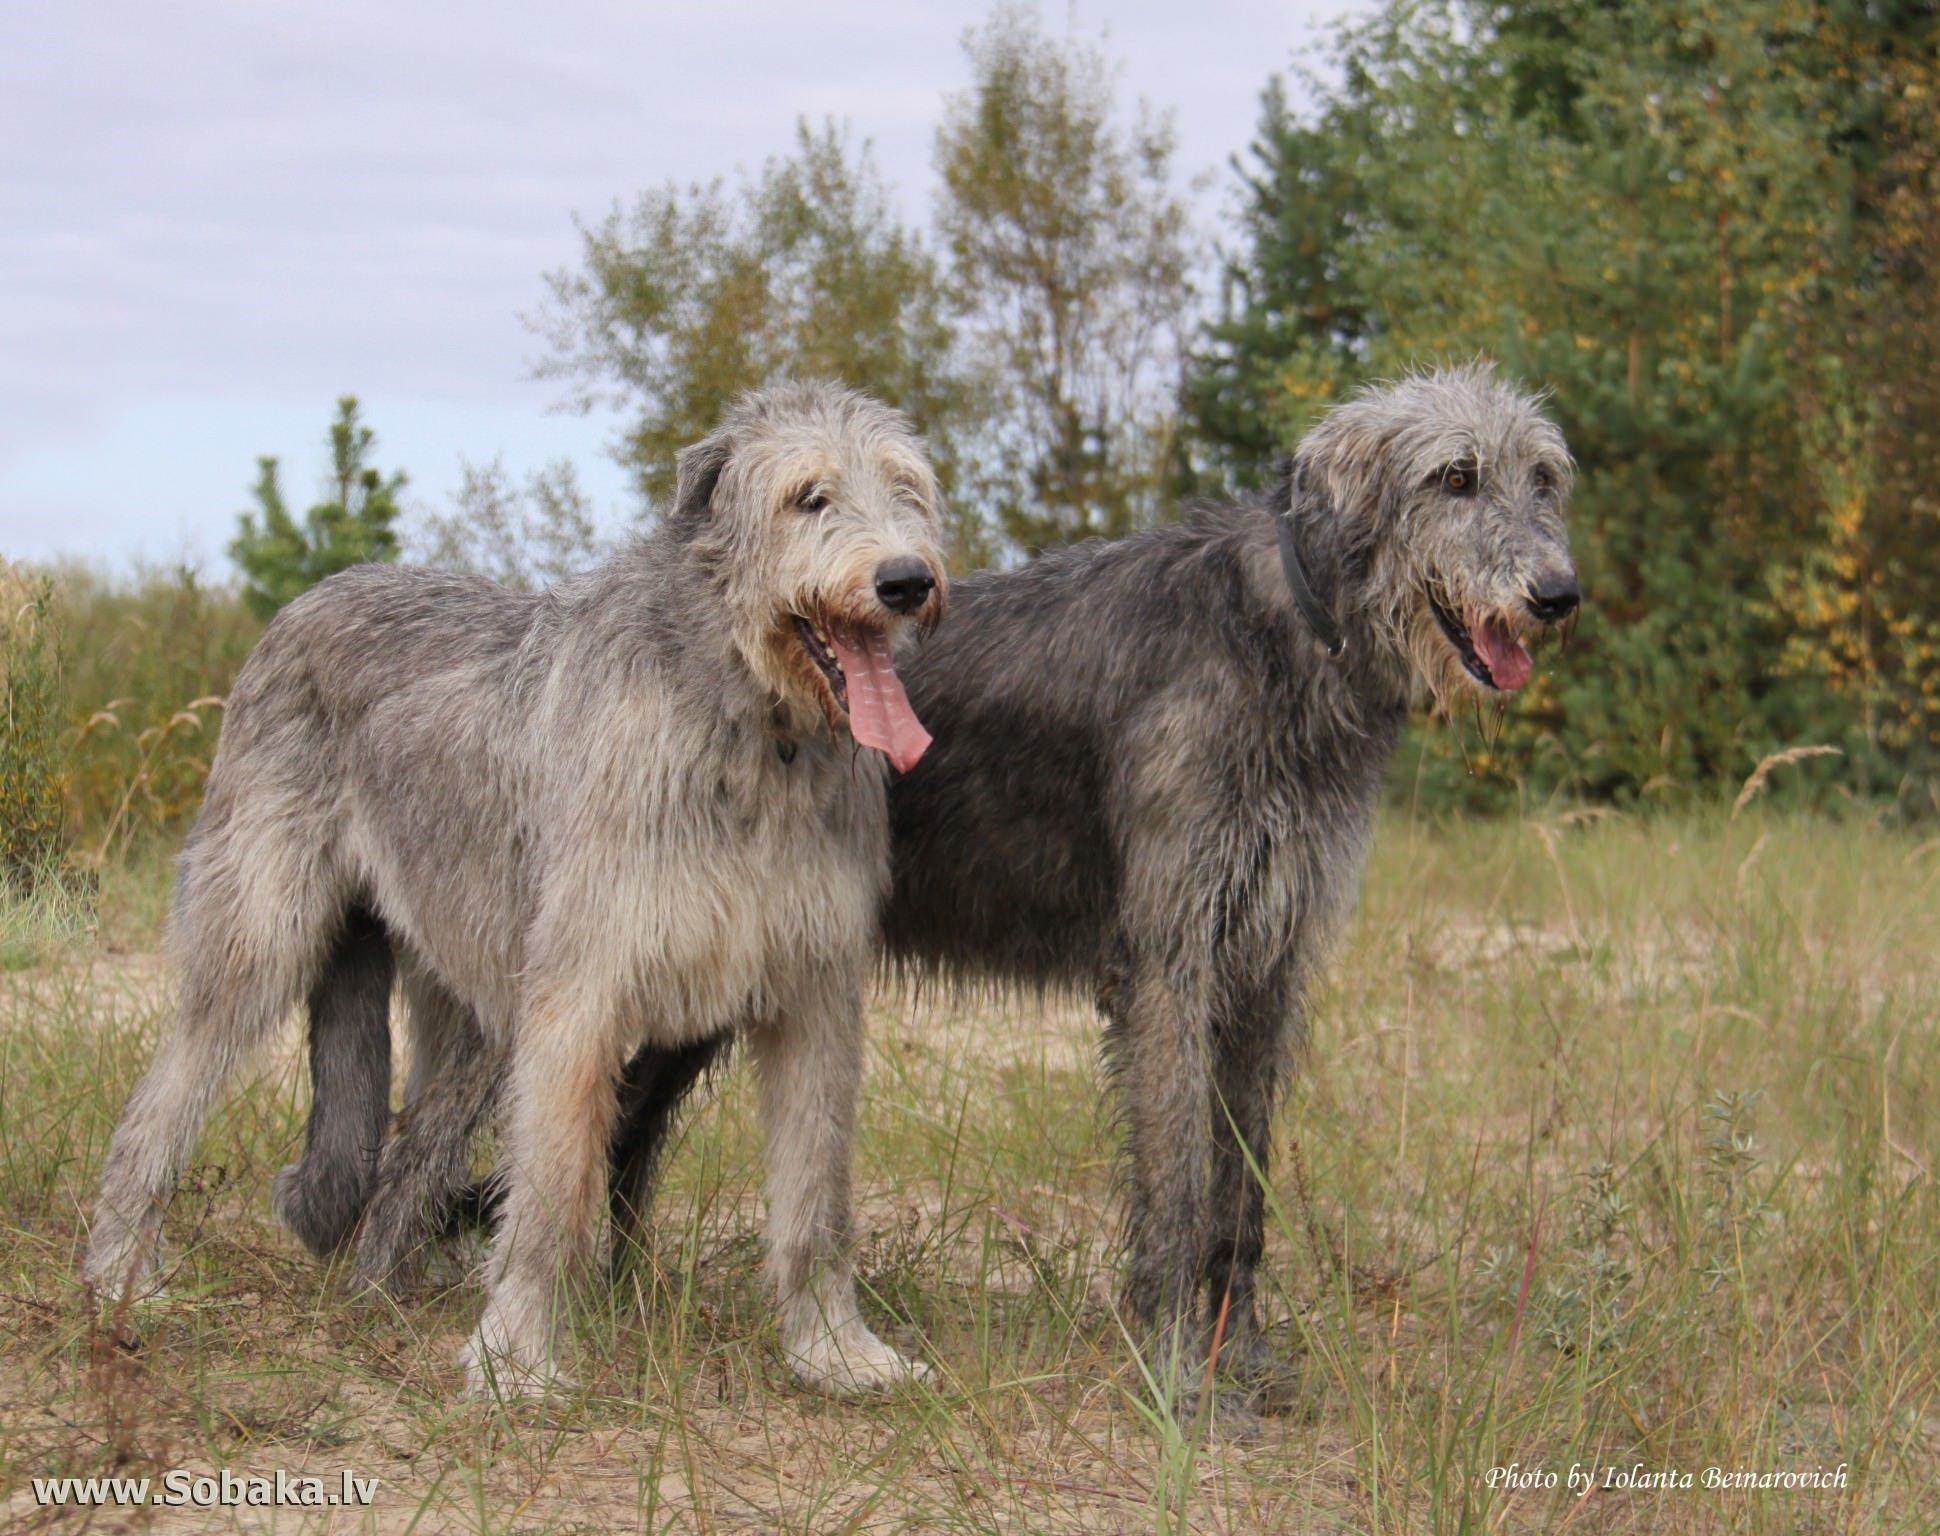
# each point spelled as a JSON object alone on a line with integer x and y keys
{"x": 218, "y": 215}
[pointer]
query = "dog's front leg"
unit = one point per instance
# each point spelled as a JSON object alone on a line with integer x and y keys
{"x": 566, "y": 1058}
{"x": 1159, "y": 1053}
{"x": 1260, "y": 1025}
{"x": 809, "y": 1063}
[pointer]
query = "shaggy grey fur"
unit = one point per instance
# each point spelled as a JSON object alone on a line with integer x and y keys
{"x": 625, "y": 811}
{"x": 1150, "y": 784}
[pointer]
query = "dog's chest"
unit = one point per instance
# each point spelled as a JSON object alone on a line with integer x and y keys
{"x": 1288, "y": 848}
{"x": 779, "y": 880}
{"x": 816, "y": 831}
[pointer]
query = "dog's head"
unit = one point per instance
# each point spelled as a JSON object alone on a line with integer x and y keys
{"x": 819, "y": 510}
{"x": 1454, "y": 484}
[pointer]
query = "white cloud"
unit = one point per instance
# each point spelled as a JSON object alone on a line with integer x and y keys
{"x": 216, "y": 217}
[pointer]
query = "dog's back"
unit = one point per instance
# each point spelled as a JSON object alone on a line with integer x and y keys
{"x": 1064, "y": 698}
{"x": 364, "y": 639}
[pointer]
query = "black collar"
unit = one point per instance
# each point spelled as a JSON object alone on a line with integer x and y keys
{"x": 1311, "y": 608}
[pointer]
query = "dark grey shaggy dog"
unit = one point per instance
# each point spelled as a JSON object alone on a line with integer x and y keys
{"x": 1152, "y": 783}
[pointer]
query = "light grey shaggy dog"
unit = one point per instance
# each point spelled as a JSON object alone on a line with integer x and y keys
{"x": 631, "y": 810}
{"x": 1153, "y": 784}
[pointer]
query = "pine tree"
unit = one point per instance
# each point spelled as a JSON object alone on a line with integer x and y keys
{"x": 281, "y": 558}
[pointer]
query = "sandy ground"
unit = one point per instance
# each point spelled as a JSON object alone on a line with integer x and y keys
{"x": 747, "y": 1452}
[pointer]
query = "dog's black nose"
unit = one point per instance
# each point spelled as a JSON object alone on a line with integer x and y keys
{"x": 1555, "y": 597}
{"x": 904, "y": 585}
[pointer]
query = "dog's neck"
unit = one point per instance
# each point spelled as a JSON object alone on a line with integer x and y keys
{"x": 1333, "y": 557}
{"x": 679, "y": 590}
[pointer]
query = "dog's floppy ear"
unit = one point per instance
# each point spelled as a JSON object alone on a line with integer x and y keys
{"x": 697, "y": 470}
{"x": 1313, "y": 497}
{"x": 1339, "y": 461}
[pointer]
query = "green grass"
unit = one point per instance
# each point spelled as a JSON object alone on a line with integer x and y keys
{"x": 1614, "y": 1146}
{"x": 44, "y": 917}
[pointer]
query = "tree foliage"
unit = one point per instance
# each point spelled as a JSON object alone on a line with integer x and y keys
{"x": 1068, "y": 254}
{"x": 691, "y": 296}
{"x": 1706, "y": 229}
{"x": 281, "y": 558}
{"x": 1287, "y": 292}
{"x": 521, "y": 536}
{"x": 1032, "y": 339}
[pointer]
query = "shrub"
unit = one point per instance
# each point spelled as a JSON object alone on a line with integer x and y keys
{"x": 32, "y": 785}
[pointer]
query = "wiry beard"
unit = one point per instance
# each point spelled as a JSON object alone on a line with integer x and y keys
{"x": 1400, "y": 626}
{"x": 1440, "y": 678}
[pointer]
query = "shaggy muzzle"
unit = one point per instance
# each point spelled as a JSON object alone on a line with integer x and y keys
{"x": 1492, "y": 642}
{"x": 843, "y": 649}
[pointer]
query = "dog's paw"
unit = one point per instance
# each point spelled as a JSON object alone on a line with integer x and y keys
{"x": 495, "y": 1373}
{"x": 1228, "y": 1413}
{"x": 1285, "y": 1390}
{"x": 384, "y": 1279}
{"x": 126, "y": 1275}
{"x": 1269, "y": 1383}
{"x": 850, "y": 1363}
{"x": 319, "y": 1212}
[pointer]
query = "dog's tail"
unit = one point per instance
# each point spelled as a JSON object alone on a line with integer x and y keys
{"x": 320, "y": 1197}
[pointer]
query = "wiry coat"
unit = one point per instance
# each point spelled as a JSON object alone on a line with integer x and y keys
{"x": 612, "y": 814}
{"x": 1151, "y": 783}
{"x": 1171, "y": 822}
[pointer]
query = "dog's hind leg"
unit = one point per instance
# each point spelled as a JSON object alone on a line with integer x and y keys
{"x": 423, "y": 1167}
{"x": 253, "y": 923}
{"x": 320, "y": 1196}
{"x": 655, "y": 1085}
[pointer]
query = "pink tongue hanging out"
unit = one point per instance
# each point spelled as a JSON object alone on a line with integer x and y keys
{"x": 879, "y": 712}
{"x": 1506, "y": 657}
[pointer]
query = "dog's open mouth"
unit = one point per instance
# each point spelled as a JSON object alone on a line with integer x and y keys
{"x": 854, "y": 662}
{"x": 1492, "y": 651}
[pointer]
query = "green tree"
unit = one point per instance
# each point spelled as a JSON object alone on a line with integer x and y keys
{"x": 1287, "y": 290}
{"x": 690, "y": 297}
{"x": 1859, "y": 599}
{"x": 281, "y": 558}
{"x": 1660, "y": 212}
{"x": 1069, "y": 256}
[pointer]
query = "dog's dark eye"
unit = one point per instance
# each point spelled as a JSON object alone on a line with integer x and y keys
{"x": 1545, "y": 481}
{"x": 1459, "y": 479}
{"x": 811, "y": 501}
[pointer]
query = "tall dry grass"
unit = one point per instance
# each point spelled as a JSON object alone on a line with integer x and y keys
{"x": 148, "y": 660}
{"x": 1614, "y": 1147}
